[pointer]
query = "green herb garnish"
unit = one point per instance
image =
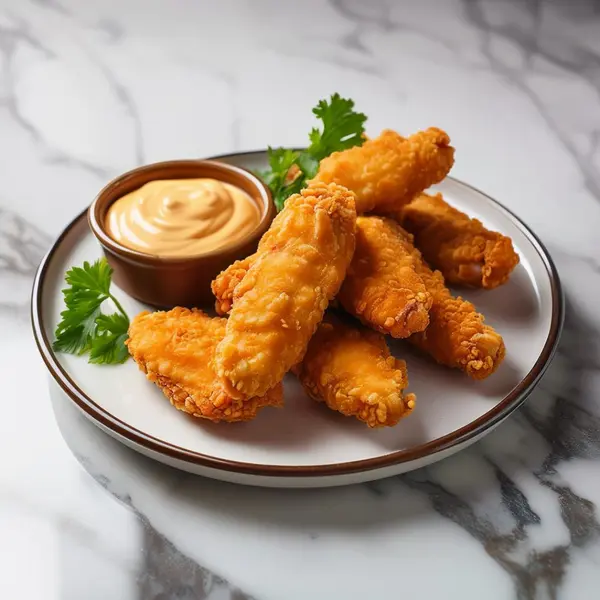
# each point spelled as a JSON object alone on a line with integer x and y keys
{"x": 84, "y": 328}
{"x": 342, "y": 129}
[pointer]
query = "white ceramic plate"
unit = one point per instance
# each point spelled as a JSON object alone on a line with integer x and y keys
{"x": 305, "y": 444}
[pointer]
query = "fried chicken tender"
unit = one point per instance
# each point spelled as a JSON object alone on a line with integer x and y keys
{"x": 460, "y": 247}
{"x": 388, "y": 171}
{"x": 176, "y": 349}
{"x": 350, "y": 369}
{"x": 298, "y": 268}
{"x": 382, "y": 287}
{"x": 224, "y": 284}
{"x": 457, "y": 335}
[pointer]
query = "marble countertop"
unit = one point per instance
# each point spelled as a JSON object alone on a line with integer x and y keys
{"x": 90, "y": 89}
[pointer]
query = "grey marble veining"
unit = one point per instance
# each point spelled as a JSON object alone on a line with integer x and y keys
{"x": 22, "y": 246}
{"x": 90, "y": 89}
{"x": 541, "y": 38}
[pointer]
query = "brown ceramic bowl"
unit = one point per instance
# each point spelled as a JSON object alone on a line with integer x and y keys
{"x": 176, "y": 281}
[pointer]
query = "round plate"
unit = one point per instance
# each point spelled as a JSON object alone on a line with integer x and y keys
{"x": 305, "y": 444}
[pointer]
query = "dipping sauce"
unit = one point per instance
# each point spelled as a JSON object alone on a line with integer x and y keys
{"x": 182, "y": 217}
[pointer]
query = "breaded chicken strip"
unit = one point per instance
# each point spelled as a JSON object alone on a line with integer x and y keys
{"x": 176, "y": 349}
{"x": 299, "y": 267}
{"x": 460, "y": 247}
{"x": 223, "y": 286}
{"x": 388, "y": 171}
{"x": 382, "y": 287}
{"x": 457, "y": 335}
{"x": 350, "y": 369}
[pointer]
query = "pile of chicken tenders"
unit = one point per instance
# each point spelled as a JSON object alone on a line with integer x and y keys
{"x": 360, "y": 253}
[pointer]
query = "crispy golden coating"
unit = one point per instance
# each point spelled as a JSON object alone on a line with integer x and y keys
{"x": 176, "y": 349}
{"x": 460, "y": 247}
{"x": 351, "y": 370}
{"x": 299, "y": 267}
{"x": 457, "y": 335}
{"x": 224, "y": 284}
{"x": 388, "y": 171}
{"x": 382, "y": 287}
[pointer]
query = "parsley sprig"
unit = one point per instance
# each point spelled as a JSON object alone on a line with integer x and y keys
{"x": 342, "y": 128}
{"x": 84, "y": 328}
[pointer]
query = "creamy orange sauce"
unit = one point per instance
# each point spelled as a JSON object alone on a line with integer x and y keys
{"x": 182, "y": 217}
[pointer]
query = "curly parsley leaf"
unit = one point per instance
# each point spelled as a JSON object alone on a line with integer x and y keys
{"x": 280, "y": 162}
{"x": 83, "y": 328}
{"x": 75, "y": 331}
{"x": 283, "y": 193}
{"x": 90, "y": 278}
{"x": 342, "y": 128}
{"x": 308, "y": 164}
{"x": 108, "y": 347}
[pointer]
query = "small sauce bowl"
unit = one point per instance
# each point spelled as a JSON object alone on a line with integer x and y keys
{"x": 176, "y": 281}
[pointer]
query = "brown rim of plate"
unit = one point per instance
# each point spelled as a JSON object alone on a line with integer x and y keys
{"x": 496, "y": 414}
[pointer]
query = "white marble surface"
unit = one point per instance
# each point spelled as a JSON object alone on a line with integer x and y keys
{"x": 89, "y": 89}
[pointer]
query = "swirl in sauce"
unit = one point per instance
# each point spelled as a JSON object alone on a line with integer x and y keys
{"x": 182, "y": 217}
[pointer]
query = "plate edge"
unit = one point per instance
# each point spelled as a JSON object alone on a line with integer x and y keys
{"x": 475, "y": 428}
